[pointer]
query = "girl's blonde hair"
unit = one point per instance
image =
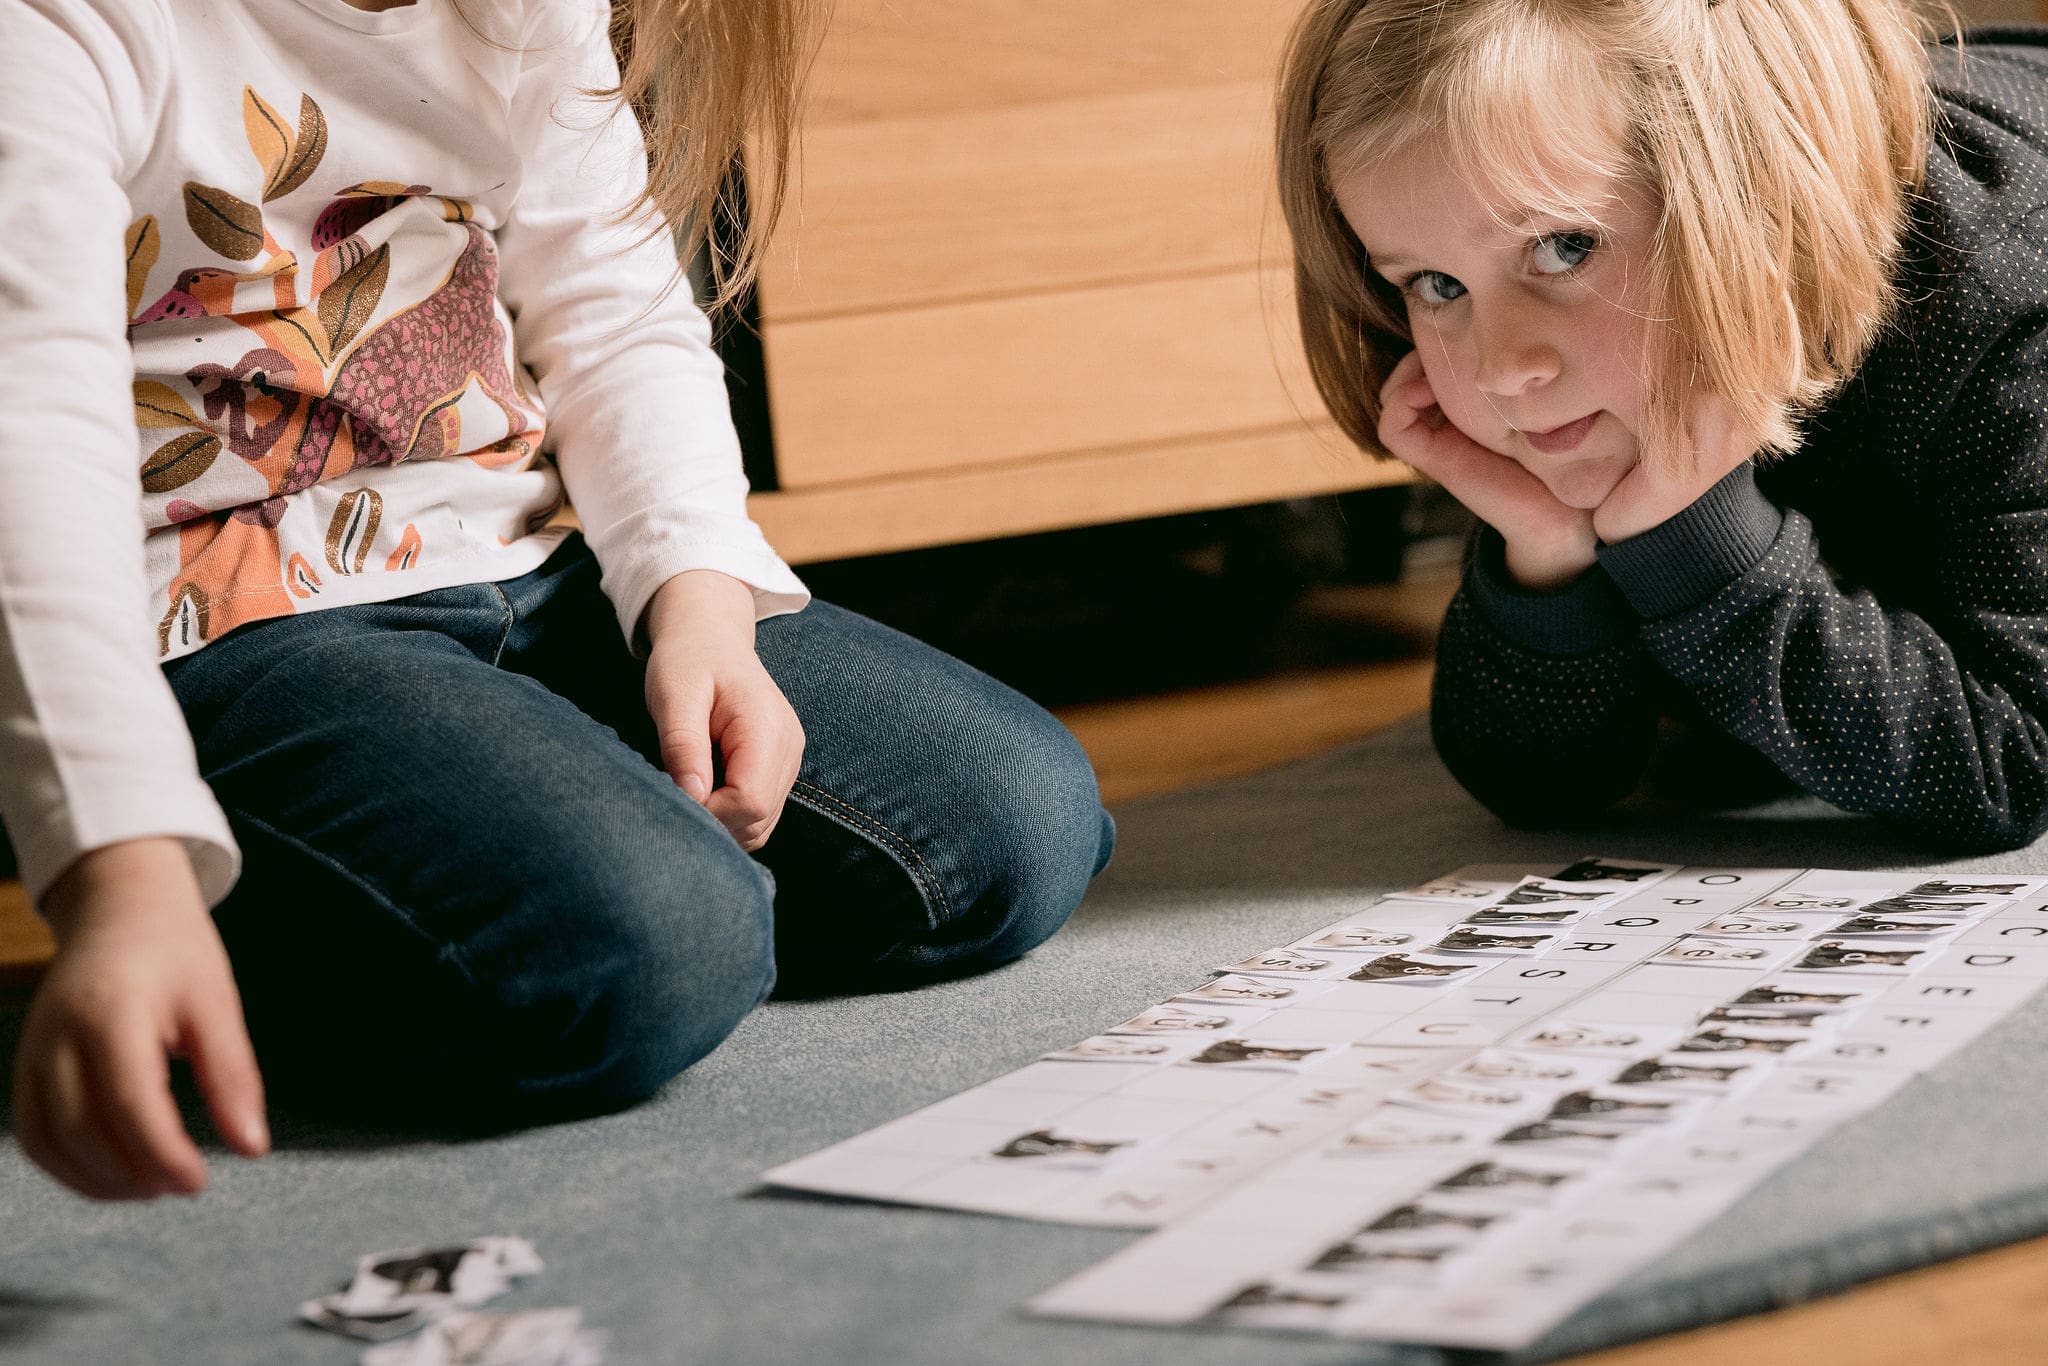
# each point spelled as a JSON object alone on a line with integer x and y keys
{"x": 710, "y": 79}
{"x": 1782, "y": 141}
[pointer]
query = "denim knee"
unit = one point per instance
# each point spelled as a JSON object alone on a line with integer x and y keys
{"x": 1044, "y": 836}
{"x": 650, "y": 971}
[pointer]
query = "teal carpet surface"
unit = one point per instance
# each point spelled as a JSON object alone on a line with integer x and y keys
{"x": 653, "y": 1222}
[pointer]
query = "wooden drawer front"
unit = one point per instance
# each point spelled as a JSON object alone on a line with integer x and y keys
{"x": 1037, "y": 240}
{"x": 906, "y": 212}
{"x": 897, "y": 58}
{"x": 875, "y": 515}
{"x": 871, "y": 395}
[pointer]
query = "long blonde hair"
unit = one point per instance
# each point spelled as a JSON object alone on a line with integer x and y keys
{"x": 717, "y": 88}
{"x": 1782, "y": 140}
{"x": 710, "y": 80}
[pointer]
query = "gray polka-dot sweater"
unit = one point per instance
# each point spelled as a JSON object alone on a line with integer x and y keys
{"x": 1867, "y": 617}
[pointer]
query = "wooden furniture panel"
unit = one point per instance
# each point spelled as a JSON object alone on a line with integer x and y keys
{"x": 1080, "y": 192}
{"x": 25, "y": 941}
{"x": 1034, "y": 275}
{"x": 837, "y": 521}
{"x": 1038, "y": 376}
{"x": 891, "y": 58}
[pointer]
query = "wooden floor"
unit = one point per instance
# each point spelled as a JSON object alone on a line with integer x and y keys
{"x": 1989, "y": 1309}
{"x": 24, "y": 941}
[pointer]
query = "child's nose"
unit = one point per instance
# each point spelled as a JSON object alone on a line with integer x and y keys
{"x": 1510, "y": 356}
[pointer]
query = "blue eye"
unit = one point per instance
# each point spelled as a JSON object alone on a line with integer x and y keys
{"x": 1559, "y": 252}
{"x": 1434, "y": 288}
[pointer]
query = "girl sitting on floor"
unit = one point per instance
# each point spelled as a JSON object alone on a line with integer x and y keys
{"x": 310, "y": 312}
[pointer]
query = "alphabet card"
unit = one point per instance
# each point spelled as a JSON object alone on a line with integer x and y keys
{"x": 1465, "y": 1110}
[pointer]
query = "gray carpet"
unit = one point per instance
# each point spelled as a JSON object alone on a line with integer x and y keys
{"x": 651, "y": 1220}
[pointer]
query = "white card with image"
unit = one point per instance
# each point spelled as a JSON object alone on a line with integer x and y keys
{"x": 1807, "y": 1020}
{"x": 1596, "y": 1038}
{"x": 1746, "y": 1039}
{"x": 1567, "y": 1138}
{"x": 1704, "y": 951}
{"x": 1468, "y": 1096}
{"x": 1285, "y": 962}
{"x": 1619, "y": 1105}
{"x": 1536, "y": 894}
{"x": 1232, "y": 988}
{"x": 1062, "y": 1147}
{"x": 1624, "y": 874}
{"x": 1360, "y": 938}
{"x": 1400, "y": 1133}
{"x": 1187, "y": 1018}
{"x": 1690, "y": 1072}
{"x": 1939, "y": 907}
{"x": 1750, "y": 924}
{"x": 1860, "y": 956}
{"x": 1868, "y": 924}
{"x": 1419, "y": 970}
{"x": 1126, "y": 1048}
{"x": 1466, "y": 886}
{"x": 1827, "y": 996}
{"x": 1495, "y": 941}
{"x": 1965, "y": 885}
{"x": 1805, "y": 902}
{"x": 1517, "y": 1179}
{"x": 1560, "y": 1070}
{"x": 1264, "y": 1054}
{"x": 1529, "y": 917}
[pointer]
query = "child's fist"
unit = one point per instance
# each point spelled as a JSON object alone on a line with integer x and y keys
{"x": 1658, "y": 490}
{"x": 1548, "y": 543}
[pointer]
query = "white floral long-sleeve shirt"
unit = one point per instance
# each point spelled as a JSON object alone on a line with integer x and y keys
{"x": 301, "y": 306}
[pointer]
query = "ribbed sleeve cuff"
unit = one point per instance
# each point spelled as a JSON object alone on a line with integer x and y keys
{"x": 1585, "y": 615}
{"x": 1681, "y": 563}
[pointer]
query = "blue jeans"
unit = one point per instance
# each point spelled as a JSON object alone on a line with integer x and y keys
{"x": 470, "y": 889}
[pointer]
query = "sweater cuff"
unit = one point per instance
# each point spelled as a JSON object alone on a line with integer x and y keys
{"x": 1585, "y": 615}
{"x": 1679, "y": 564}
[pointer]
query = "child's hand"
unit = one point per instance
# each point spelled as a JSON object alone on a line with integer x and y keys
{"x": 1548, "y": 543}
{"x": 1653, "y": 493}
{"x": 706, "y": 686}
{"x": 140, "y": 976}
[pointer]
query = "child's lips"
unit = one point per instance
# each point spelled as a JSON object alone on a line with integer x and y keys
{"x": 1558, "y": 440}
